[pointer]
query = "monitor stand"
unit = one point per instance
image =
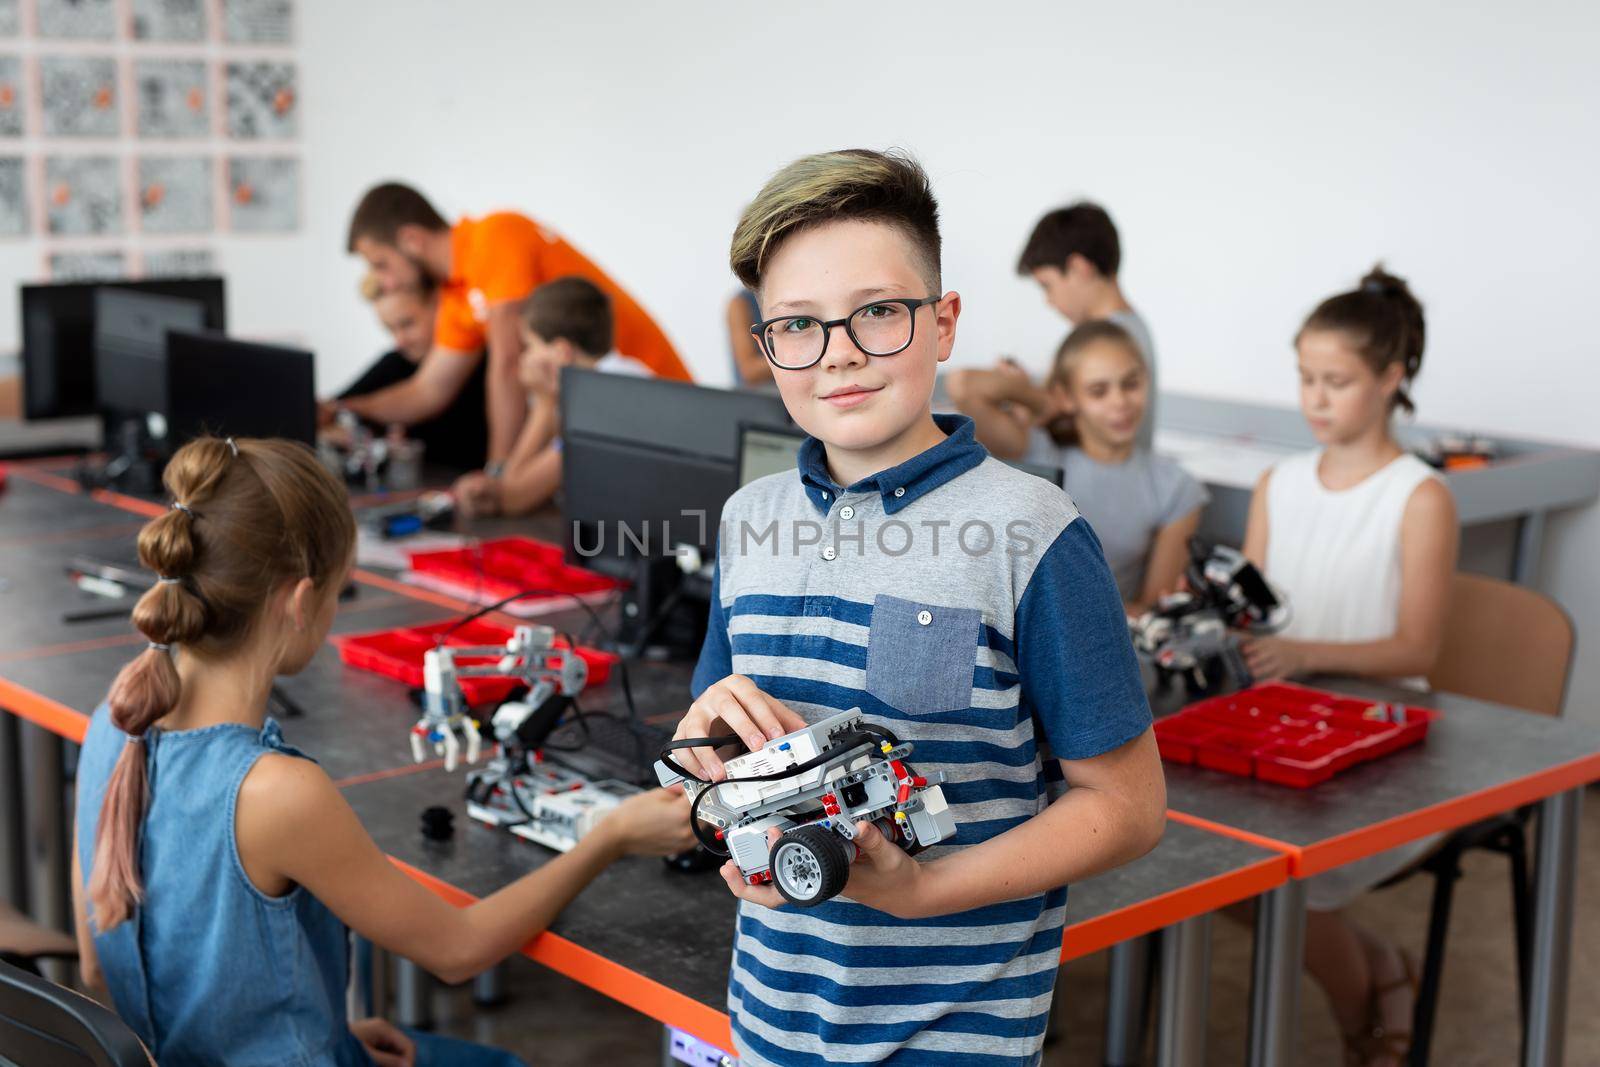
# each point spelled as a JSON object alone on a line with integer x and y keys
{"x": 663, "y": 611}
{"x": 135, "y": 457}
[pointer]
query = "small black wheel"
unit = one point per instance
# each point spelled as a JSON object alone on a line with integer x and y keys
{"x": 810, "y": 864}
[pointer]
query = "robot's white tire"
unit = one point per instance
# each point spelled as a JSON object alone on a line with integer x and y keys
{"x": 810, "y": 864}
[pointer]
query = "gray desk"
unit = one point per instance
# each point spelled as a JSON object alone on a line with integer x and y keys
{"x": 1478, "y": 759}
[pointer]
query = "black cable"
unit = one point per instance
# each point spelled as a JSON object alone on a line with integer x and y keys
{"x": 861, "y": 734}
{"x": 708, "y": 841}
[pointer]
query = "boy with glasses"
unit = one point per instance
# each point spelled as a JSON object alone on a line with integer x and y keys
{"x": 956, "y": 602}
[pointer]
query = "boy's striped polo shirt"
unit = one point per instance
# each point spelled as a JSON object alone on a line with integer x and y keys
{"x": 966, "y": 606}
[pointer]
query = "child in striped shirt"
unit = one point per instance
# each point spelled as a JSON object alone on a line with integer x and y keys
{"x": 961, "y": 604}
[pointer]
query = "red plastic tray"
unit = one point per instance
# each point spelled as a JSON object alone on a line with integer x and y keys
{"x": 1289, "y": 734}
{"x": 398, "y": 654}
{"x": 509, "y": 566}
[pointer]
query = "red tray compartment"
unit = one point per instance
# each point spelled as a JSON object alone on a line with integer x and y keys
{"x": 1289, "y": 734}
{"x": 509, "y": 566}
{"x": 398, "y": 654}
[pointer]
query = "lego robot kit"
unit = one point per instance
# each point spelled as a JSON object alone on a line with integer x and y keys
{"x": 812, "y": 786}
{"x": 1192, "y": 634}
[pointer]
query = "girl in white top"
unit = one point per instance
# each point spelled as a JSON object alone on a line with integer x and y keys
{"x": 1362, "y": 538}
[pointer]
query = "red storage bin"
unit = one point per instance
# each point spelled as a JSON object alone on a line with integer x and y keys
{"x": 398, "y": 654}
{"x": 1289, "y": 734}
{"x": 510, "y": 565}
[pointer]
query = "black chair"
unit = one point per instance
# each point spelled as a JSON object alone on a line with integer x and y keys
{"x": 44, "y": 1025}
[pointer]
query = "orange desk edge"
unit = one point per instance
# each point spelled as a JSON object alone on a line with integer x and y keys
{"x": 1308, "y": 860}
{"x": 53, "y": 716}
{"x": 1173, "y": 906}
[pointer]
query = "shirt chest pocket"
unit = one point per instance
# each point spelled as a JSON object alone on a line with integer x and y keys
{"x": 921, "y": 657}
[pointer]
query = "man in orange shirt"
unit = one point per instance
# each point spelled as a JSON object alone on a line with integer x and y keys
{"x": 484, "y": 269}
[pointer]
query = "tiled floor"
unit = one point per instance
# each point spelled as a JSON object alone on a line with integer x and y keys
{"x": 552, "y": 1021}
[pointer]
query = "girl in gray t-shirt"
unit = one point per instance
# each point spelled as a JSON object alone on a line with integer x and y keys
{"x": 1143, "y": 507}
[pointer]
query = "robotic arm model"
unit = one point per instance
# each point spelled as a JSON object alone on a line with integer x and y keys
{"x": 552, "y": 674}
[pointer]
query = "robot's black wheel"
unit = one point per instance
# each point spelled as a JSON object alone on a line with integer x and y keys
{"x": 810, "y": 864}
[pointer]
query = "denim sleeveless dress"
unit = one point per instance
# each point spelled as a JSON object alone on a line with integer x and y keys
{"x": 209, "y": 970}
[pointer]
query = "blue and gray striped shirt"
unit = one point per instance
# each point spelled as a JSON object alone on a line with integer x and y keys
{"x": 967, "y": 607}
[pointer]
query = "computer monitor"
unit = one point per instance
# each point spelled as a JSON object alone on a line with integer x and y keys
{"x": 58, "y": 334}
{"x": 647, "y": 463}
{"x": 130, "y": 347}
{"x": 764, "y": 451}
{"x": 231, "y": 388}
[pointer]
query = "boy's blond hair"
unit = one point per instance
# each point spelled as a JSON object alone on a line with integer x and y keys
{"x": 857, "y": 184}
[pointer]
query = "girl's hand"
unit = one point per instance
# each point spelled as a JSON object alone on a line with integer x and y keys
{"x": 386, "y": 1043}
{"x": 655, "y": 823}
{"x": 1271, "y": 658}
{"x": 882, "y": 877}
{"x": 733, "y": 705}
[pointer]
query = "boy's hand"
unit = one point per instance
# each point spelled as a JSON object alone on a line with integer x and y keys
{"x": 477, "y": 495}
{"x": 883, "y": 876}
{"x": 733, "y": 705}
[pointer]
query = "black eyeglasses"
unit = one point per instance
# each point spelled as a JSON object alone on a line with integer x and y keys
{"x": 881, "y": 328}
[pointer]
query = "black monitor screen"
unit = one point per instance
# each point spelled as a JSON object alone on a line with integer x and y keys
{"x": 647, "y": 464}
{"x": 230, "y": 388}
{"x": 130, "y": 346}
{"x": 58, "y": 331}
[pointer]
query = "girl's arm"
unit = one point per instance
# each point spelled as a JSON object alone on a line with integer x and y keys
{"x": 295, "y": 828}
{"x": 88, "y": 958}
{"x": 1169, "y": 555}
{"x": 983, "y": 394}
{"x": 1429, "y": 540}
{"x": 1255, "y": 530}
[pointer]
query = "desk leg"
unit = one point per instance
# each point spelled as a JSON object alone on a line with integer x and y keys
{"x": 1275, "y": 974}
{"x": 1185, "y": 993}
{"x": 413, "y": 987}
{"x": 13, "y": 849}
{"x": 1525, "y": 556}
{"x": 1554, "y": 878}
{"x": 489, "y": 988}
{"x": 50, "y": 888}
{"x": 1126, "y": 982}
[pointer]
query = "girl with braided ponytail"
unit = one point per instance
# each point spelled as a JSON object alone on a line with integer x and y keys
{"x": 1362, "y": 537}
{"x": 216, "y": 868}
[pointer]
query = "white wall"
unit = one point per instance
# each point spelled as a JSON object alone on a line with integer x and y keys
{"x": 1255, "y": 160}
